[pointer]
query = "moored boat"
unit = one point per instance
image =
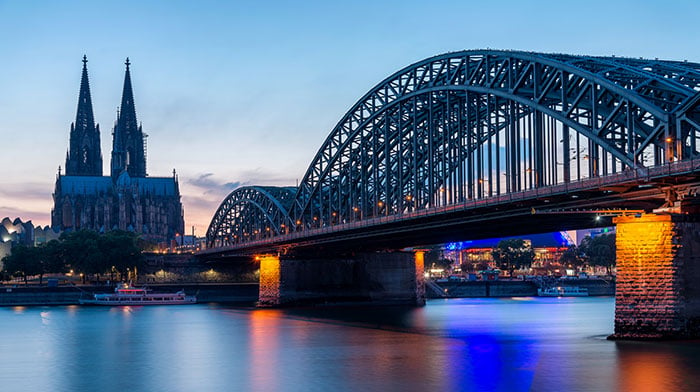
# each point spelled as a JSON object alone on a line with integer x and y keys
{"x": 565, "y": 291}
{"x": 126, "y": 294}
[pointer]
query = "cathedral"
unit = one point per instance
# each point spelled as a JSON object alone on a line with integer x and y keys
{"x": 126, "y": 199}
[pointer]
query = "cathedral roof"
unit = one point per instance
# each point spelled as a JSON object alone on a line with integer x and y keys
{"x": 160, "y": 186}
{"x": 86, "y": 185}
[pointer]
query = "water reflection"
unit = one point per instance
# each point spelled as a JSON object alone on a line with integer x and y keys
{"x": 449, "y": 345}
{"x": 264, "y": 344}
{"x": 663, "y": 366}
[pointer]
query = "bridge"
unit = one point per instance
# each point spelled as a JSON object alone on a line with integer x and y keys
{"x": 486, "y": 143}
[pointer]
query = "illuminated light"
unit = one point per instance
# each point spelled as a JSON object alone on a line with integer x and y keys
{"x": 267, "y": 229}
{"x": 298, "y": 222}
{"x": 315, "y": 218}
{"x": 355, "y": 209}
{"x": 597, "y": 218}
{"x": 282, "y": 225}
{"x": 669, "y": 140}
{"x": 409, "y": 197}
{"x": 334, "y": 213}
{"x": 380, "y": 203}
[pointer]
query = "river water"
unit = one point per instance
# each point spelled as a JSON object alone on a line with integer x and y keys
{"x": 516, "y": 344}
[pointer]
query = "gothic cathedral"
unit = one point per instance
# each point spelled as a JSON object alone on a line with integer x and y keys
{"x": 127, "y": 199}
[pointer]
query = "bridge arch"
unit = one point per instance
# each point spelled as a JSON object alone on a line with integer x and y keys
{"x": 249, "y": 213}
{"x": 446, "y": 129}
{"x": 476, "y": 124}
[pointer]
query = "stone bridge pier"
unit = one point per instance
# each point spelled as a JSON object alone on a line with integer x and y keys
{"x": 658, "y": 277}
{"x": 377, "y": 278}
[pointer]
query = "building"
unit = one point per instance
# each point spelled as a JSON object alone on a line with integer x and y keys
{"x": 126, "y": 199}
{"x": 14, "y": 232}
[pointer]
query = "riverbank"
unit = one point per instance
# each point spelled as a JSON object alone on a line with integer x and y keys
{"x": 513, "y": 288}
{"x": 19, "y": 295}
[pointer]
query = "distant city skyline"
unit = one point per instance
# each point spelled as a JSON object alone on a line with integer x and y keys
{"x": 237, "y": 94}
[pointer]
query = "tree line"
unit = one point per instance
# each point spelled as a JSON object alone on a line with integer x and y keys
{"x": 85, "y": 252}
{"x": 512, "y": 254}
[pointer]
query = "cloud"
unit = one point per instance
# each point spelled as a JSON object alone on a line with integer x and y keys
{"x": 24, "y": 191}
{"x": 38, "y": 217}
{"x": 211, "y": 185}
{"x": 258, "y": 176}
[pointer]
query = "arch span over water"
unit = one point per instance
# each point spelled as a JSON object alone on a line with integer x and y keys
{"x": 477, "y": 124}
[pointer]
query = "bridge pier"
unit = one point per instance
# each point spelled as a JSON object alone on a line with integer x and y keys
{"x": 377, "y": 278}
{"x": 658, "y": 277}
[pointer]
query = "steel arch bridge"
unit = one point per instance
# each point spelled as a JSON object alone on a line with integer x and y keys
{"x": 478, "y": 125}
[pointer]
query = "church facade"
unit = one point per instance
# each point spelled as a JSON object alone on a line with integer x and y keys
{"x": 126, "y": 199}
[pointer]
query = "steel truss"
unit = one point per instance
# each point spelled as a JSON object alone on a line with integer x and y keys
{"x": 249, "y": 213}
{"x": 477, "y": 124}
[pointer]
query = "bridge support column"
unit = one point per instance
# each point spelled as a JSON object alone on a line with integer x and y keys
{"x": 658, "y": 277}
{"x": 377, "y": 278}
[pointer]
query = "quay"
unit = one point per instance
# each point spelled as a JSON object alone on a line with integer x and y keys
{"x": 247, "y": 293}
{"x": 19, "y": 295}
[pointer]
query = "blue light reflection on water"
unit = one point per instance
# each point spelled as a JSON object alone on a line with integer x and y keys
{"x": 513, "y": 344}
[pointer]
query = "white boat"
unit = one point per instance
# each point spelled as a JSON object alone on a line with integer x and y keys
{"x": 566, "y": 291}
{"x": 126, "y": 294}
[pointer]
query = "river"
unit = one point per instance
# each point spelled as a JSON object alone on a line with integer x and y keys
{"x": 514, "y": 344}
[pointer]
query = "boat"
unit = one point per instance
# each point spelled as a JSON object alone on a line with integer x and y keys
{"x": 126, "y": 294}
{"x": 566, "y": 291}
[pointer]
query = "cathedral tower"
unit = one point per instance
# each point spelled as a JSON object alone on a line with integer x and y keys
{"x": 125, "y": 199}
{"x": 128, "y": 143}
{"x": 84, "y": 157}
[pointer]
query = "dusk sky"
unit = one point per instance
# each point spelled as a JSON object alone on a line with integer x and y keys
{"x": 241, "y": 93}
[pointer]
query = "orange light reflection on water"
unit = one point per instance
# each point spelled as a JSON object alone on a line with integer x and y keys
{"x": 264, "y": 344}
{"x": 650, "y": 366}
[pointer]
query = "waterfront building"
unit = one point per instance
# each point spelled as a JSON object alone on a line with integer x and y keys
{"x": 126, "y": 199}
{"x": 18, "y": 232}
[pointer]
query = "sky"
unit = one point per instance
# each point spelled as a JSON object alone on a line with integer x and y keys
{"x": 235, "y": 93}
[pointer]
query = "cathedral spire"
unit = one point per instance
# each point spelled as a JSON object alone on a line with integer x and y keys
{"x": 128, "y": 109}
{"x": 85, "y": 157}
{"x": 128, "y": 141}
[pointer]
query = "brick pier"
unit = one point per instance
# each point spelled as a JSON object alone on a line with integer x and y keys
{"x": 658, "y": 277}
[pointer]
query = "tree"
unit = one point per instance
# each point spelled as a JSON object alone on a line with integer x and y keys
{"x": 52, "y": 254}
{"x": 573, "y": 256}
{"x": 85, "y": 251}
{"x": 16, "y": 263}
{"x": 513, "y": 254}
{"x": 600, "y": 250}
{"x": 82, "y": 253}
{"x": 121, "y": 250}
